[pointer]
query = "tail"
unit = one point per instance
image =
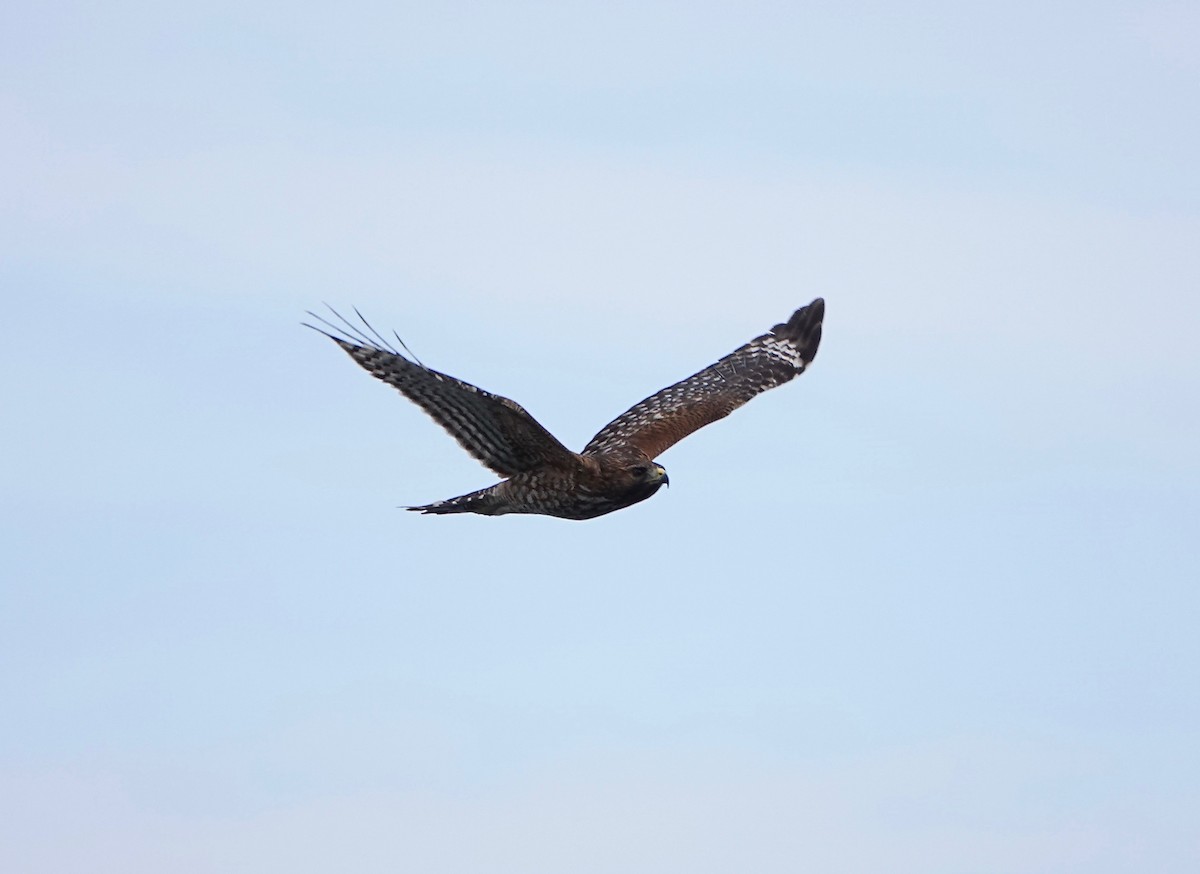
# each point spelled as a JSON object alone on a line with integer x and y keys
{"x": 484, "y": 502}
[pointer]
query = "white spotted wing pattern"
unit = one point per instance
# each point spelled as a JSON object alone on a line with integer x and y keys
{"x": 669, "y": 415}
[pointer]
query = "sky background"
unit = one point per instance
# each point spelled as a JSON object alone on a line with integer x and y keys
{"x": 930, "y": 608}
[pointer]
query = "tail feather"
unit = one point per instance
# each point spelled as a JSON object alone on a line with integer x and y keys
{"x": 484, "y": 502}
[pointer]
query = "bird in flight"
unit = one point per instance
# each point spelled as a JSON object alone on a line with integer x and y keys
{"x": 617, "y": 468}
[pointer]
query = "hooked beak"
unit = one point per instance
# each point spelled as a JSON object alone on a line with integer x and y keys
{"x": 662, "y": 475}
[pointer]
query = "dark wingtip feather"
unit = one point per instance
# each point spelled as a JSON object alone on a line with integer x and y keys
{"x": 349, "y": 336}
{"x": 315, "y": 328}
{"x": 804, "y": 329}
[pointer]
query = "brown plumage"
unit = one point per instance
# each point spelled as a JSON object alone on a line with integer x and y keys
{"x": 617, "y": 467}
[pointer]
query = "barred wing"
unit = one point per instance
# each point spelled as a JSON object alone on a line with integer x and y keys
{"x": 665, "y": 418}
{"x": 498, "y": 432}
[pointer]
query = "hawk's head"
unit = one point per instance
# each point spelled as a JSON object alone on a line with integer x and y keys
{"x": 651, "y": 473}
{"x": 636, "y": 480}
{"x": 627, "y": 476}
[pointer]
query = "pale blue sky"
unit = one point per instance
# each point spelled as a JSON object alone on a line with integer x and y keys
{"x": 930, "y": 608}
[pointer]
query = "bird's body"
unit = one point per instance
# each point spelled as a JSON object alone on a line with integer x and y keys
{"x": 617, "y": 468}
{"x": 590, "y": 487}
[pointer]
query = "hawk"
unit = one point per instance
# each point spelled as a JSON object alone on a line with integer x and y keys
{"x": 617, "y": 468}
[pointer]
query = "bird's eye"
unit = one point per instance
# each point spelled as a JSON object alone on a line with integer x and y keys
{"x": 640, "y": 470}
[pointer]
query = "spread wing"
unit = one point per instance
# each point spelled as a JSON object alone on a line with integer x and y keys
{"x": 495, "y": 430}
{"x": 665, "y": 418}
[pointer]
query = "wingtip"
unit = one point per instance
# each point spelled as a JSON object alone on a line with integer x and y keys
{"x": 345, "y": 344}
{"x": 813, "y": 312}
{"x": 804, "y": 319}
{"x": 804, "y": 329}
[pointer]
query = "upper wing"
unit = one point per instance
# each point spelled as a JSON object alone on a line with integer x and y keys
{"x": 665, "y": 418}
{"x": 495, "y": 430}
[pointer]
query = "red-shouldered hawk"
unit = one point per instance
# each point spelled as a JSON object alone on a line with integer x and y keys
{"x": 617, "y": 467}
